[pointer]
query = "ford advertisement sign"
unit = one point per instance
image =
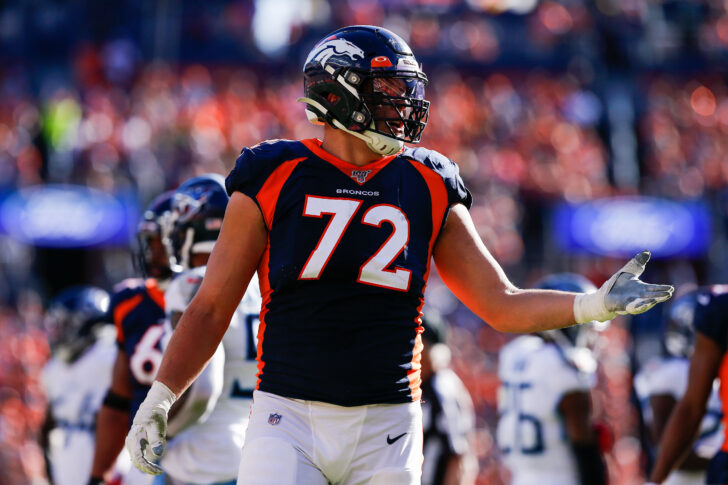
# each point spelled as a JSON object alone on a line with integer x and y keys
{"x": 624, "y": 226}
{"x": 67, "y": 216}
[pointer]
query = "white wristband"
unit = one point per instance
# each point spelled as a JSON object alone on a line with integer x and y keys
{"x": 160, "y": 395}
{"x": 590, "y": 307}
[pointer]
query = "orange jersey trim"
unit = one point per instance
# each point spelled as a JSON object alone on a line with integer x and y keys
{"x": 265, "y": 291}
{"x": 267, "y": 196}
{"x": 349, "y": 169}
{"x": 155, "y": 293}
{"x": 438, "y": 194}
{"x": 121, "y": 311}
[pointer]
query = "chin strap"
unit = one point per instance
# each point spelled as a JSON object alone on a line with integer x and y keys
{"x": 376, "y": 142}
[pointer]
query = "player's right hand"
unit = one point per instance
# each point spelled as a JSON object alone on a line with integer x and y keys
{"x": 147, "y": 436}
{"x": 621, "y": 294}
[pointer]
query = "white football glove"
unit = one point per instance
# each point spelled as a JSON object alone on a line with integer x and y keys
{"x": 148, "y": 434}
{"x": 621, "y": 294}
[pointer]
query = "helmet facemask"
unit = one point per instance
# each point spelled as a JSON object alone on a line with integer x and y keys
{"x": 151, "y": 254}
{"x": 72, "y": 320}
{"x": 195, "y": 220}
{"x": 377, "y": 98}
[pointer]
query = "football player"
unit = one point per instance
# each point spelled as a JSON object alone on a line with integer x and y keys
{"x": 208, "y": 452}
{"x": 448, "y": 418}
{"x": 76, "y": 379}
{"x": 342, "y": 231}
{"x": 706, "y": 364}
{"x": 545, "y": 431}
{"x": 661, "y": 384}
{"x": 138, "y": 312}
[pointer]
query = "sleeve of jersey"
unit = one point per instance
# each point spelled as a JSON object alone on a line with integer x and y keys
{"x": 457, "y": 193}
{"x": 254, "y": 165}
{"x": 111, "y": 316}
{"x": 710, "y": 322}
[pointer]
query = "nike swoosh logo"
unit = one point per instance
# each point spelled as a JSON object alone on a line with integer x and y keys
{"x": 392, "y": 440}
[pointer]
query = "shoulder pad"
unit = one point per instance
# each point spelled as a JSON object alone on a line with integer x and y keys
{"x": 446, "y": 169}
{"x": 255, "y": 164}
{"x": 710, "y": 310}
{"x": 126, "y": 289}
{"x": 128, "y": 284}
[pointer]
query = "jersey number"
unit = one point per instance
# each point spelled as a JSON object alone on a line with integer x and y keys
{"x": 373, "y": 271}
{"x": 523, "y": 422}
{"x": 147, "y": 357}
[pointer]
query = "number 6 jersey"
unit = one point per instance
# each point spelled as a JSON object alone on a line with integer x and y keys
{"x": 137, "y": 310}
{"x": 344, "y": 273}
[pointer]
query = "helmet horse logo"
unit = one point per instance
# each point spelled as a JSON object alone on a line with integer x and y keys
{"x": 334, "y": 47}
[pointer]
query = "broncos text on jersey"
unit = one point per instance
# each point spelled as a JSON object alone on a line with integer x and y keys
{"x": 344, "y": 274}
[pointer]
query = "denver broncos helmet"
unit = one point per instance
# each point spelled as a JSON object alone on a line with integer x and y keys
{"x": 576, "y": 335}
{"x": 151, "y": 231}
{"x": 679, "y": 332}
{"x": 198, "y": 207}
{"x": 72, "y": 318}
{"x": 366, "y": 81}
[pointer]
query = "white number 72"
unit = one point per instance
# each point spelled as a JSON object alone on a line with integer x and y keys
{"x": 373, "y": 271}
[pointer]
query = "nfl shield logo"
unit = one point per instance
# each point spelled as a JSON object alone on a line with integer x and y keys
{"x": 360, "y": 175}
{"x": 274, "y": 419}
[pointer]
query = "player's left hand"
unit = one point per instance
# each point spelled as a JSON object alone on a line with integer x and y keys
{"x": 147, "y": 436}
{"x": 623, "y": 293}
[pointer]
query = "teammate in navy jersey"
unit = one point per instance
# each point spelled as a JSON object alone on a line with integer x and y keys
{"x": 342, "y": 232}
{"x": 707, "y": 363}
{"x": 137, "y": 311}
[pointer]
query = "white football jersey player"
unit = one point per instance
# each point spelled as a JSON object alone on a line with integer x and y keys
{"x": 209, "y": 452}
{"x": 75, "y": 391}
{"x": 668, "y": 376}
{"x": 535, "y": 375}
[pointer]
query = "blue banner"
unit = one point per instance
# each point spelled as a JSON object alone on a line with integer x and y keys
{"x": 68, "y": 216}
{"x": 623, "y": 226}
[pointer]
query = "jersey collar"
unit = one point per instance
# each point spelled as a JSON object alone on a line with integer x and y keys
{"x": 360, "y": 174}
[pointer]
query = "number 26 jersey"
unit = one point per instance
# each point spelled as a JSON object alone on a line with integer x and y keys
{"x": 344, "y": 273}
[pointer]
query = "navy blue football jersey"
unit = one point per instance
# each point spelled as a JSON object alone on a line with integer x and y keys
{"x": 711, "y": 314}
{"x": 711, "y": 320}
{"x": 343, "y": 277}
{"x": 137, "y": 309}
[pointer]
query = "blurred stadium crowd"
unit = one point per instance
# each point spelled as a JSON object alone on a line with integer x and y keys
{"x": 539, "y": 102}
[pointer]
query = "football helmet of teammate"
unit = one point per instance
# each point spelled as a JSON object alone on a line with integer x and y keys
{"x": 366, "y": 81}
{"x": 72, "y": 319}
{"x": 198, "y": 207}
{"x": 151, "y": 253}
{"x": 679, "y": 336}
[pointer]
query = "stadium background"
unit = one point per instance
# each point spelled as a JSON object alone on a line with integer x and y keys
{"x": 586, "y": 130}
